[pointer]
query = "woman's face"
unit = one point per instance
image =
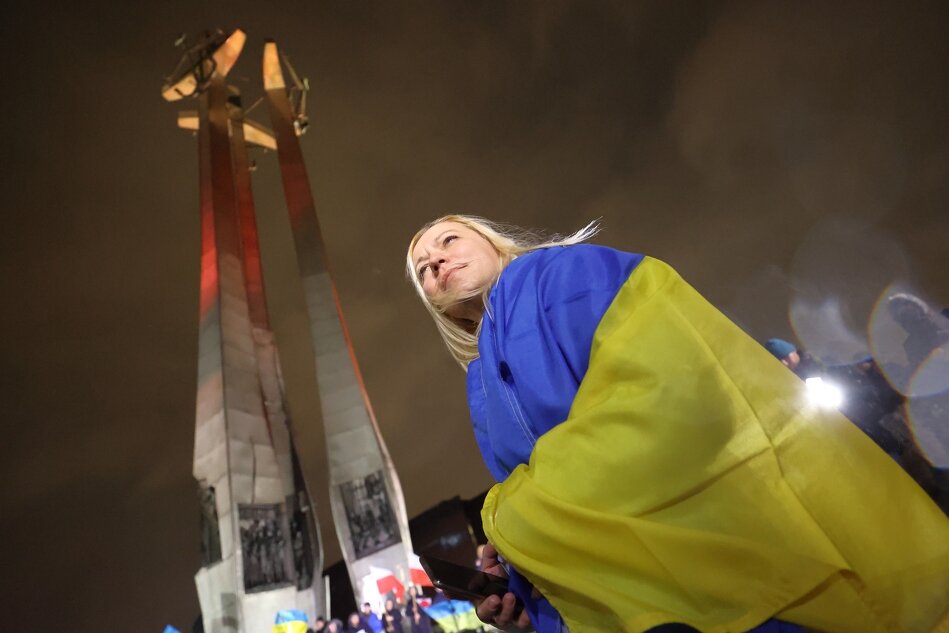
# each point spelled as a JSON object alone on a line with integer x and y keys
{"x": 453, "y": 260}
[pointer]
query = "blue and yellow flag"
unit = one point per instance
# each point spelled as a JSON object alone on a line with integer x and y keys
{"x": 290, "y": 621}
{"x": 454, "y": 615}
{"x": 691, "y": 482}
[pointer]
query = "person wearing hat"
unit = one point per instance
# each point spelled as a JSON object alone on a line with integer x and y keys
{"x": 801, "y": 363}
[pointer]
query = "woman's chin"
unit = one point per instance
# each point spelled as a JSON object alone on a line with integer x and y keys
{"x": 469, "y": 311}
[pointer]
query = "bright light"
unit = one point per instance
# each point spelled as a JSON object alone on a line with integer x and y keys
{"x": 824, "y": 394}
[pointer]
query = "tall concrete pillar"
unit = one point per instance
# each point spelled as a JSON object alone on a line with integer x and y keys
{"x": 261, "y": 550}
{"x": 365, "y": 494}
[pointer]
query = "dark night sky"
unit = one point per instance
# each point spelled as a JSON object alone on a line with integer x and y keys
{"x": 767, "y": 150}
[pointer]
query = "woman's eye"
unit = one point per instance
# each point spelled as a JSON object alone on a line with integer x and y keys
{"x": 421, "y": 271}
{"x": 448, "y": 239}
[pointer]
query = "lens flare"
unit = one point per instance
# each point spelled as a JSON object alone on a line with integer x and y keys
{"x": 910, "y": 342}
{"x": 824, "y": 332}
{"x": 824, "y": 394}
{"x": 928, "y": 419}
{"x": 931, "y": 376}
{"x": 837, "y": 276}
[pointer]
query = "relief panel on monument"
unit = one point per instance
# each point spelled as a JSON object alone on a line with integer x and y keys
{"x": 265, "y": 537}
{"x": 369, "y": 514}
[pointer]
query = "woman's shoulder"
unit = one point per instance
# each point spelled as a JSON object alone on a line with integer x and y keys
{"x": 575, "y": 266}
{"x": 568, "y": 258}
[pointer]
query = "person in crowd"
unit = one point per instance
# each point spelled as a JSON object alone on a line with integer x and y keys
{"x": 389, "y": 624}
{"x": 393, "y": 613}
{"x": 357, "y": 624}
{"x": 479, "y": 555}
{"x": 872, "y": 404}
{"x": 927, "y": 334}
{"x": 319, "y": 625}
{"x": 925, "y": 328}
{"x": 335, "y": 625}
{"x": 370, "y": 619}
{"x": 419, "y": 622}
{"x": 798, "y": 361}
{"x": 654, "y": 465}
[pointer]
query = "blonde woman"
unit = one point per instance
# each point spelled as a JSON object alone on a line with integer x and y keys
{"x": 655, "y": 464}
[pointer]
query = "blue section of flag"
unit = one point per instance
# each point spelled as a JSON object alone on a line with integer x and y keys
{"x": 535, "y": 345}
{"x": 448, "y": 608}
{"x": 170, "y": 629}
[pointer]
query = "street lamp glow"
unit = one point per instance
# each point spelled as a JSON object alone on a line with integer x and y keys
{"x": 824, "y": 394}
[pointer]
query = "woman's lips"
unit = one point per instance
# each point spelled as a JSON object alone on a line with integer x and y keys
{"x": 448, "y": 275}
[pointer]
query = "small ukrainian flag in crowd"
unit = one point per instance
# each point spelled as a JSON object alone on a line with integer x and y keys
{"x": 290, "y": 621}
{"x": 454, "y": 615}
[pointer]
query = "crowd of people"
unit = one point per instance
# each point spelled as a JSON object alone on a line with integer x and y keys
{"x": 872, "y": 401}
{"x": 397, "y": 616}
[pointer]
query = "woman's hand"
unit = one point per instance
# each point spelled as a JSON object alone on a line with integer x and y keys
{"x": 499, "y": 612}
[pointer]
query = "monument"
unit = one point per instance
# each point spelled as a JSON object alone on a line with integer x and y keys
{"x": 261, "y": 545}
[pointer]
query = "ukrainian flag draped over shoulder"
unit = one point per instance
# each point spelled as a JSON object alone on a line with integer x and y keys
{"x": 692, "y": 483}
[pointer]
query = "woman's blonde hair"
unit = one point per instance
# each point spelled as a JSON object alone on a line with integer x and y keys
{"x": 509, "y": 242}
